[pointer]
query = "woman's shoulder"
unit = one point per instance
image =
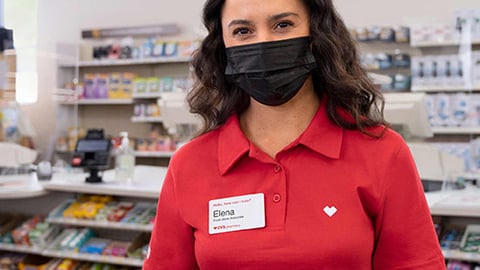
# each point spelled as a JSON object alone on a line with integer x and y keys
{"x": 379, "y": 137}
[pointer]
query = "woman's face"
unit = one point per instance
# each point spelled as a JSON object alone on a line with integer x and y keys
{"x": 253, "y": 21}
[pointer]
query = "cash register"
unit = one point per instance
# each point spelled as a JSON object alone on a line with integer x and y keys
{"x": 92, "y": 153}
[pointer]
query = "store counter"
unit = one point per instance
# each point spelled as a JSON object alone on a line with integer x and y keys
{"x": 19, "y": 186}
{"x": 147, "y": 183}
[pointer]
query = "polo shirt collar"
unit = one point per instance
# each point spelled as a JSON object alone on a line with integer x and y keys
{"x": 321, "y": 136}
{"x": 232, "y": 144}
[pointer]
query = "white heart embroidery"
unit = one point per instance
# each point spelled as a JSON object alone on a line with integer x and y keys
{"x": 330, "y": 211}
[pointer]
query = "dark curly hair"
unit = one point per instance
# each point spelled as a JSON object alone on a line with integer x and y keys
{"x": 339, "y": 77}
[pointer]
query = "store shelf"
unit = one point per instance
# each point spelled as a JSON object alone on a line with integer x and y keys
{"x": 99, "y": 101}
{"x": 127, "y": 62}
{"x": 147, "y": 183}
{"x": 146, "y": 95}
{"x": 455, "y": 203}
{"x": 460, "y": 255}
{"x": 72, "y": 255}
{"x": 21, "y": 248}
{"x": 456, "y": 130}
{"x": 154, "y": 154}
{"x": 147, "y": 119}
{"x": 440, "y": 43}
{"x": 100, "y": 224}
{"x": 94, "y": 258}
{"x": 444, "y": 88}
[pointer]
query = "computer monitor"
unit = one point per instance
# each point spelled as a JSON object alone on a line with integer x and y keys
{"x": 407, "y": 113}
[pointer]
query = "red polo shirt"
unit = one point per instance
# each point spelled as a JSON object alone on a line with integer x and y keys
{"x": 334, "y": 199}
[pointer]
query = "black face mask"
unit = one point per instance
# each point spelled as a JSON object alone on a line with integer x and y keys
{"x": 271, "y": 72}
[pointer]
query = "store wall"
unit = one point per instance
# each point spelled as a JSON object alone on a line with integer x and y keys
{"x": 62, "y": 21}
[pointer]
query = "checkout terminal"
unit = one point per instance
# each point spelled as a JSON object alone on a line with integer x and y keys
{"x": 93, "y": 154}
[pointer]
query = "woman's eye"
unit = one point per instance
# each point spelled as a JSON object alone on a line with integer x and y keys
{"x": 284, "y": 24}
{"x": 240, "y": 31}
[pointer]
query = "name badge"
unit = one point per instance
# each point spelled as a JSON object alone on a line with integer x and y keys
{"x": 236, "y": 213}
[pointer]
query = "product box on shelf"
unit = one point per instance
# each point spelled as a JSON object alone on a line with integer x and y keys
{"x": 90, "y": 86}
{"x": 20, "y": 234}
{"x": 102, "y": 85}
{"x": 7, "y": 87}
{"x": 127, "y": 85}
{"x": 8, "y": 222}
{"x": 152, "y": 85}
{"x": 476, "y": 69}
{"x": 433, "y": 34}
{"x": 114, "y": 85}
{"x": 453, "y": 110}
{"x": 451, "y": 236}
{"x": 139, "y": 246}
{"x": 468, "y": 17}
{"x": 34, "y": 262}
{"x": 471, "y": 239}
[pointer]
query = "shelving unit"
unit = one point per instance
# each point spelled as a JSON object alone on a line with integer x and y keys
{"x": 72, "y": 255}
{"x": 457, "y": 206}
{"x": 147, "y": 119}
{"x": 456, "y": 130}
{"x": 63, "y": 188}
{"x": 99, "y": 101}
{"x": 125, "y": 62}
{"x": 440, "y": 43}
{"x": 437, "y": 88}
{"x": 100, "y": 224}
{"x": 115, "y": 115}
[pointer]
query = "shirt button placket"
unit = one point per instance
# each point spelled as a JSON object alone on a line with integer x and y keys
{"x": 277, "y": 197}
{"x": 277, "y": 168}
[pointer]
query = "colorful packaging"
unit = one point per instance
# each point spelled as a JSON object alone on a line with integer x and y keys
{"x": 90, "y": 85}
{"x": 127, "y": 85}
{"x": 114, "y": 85}
{"x": 102, "y": 85}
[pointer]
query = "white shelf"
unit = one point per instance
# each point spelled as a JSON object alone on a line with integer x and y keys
{"x": 98, "y": 101}
{"x": 460, "y": 255}
{"x": 455, "y": 130}
{"x": 72, "y": 255}
{"x": 127, "y": 62}
{"x": 154, "y": 154}
{"x": 465, "y": 203}
{"x": 146, "y": 95}
{"x": 21, "y": 248}
{"x": 100, "y": 224}
{"x": 444, "y": 88}
{"x": 93, "y": 258}
{"x": 440, "y": 43}
{"x": 147, "y": 119}
{"x": 147, "y": 183}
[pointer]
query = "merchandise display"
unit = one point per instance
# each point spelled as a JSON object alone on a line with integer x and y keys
{"x": 392, "y": 60}
{"x": 49, "y": 236}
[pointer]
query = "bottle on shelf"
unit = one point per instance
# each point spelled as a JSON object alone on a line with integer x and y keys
{"x": 124, "y": 160}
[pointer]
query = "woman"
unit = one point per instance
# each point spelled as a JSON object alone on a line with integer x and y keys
{"x": 295, "y": 168}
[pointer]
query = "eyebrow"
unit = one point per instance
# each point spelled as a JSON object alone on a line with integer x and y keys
{"x": 272, "y": 18}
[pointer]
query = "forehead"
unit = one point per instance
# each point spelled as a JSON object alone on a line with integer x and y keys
{"x": 257, "y": 9}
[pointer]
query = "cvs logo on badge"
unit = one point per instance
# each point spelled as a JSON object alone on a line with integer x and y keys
{"x": 236, "y": 213}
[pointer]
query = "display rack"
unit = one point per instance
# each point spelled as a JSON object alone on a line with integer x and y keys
{"x": 125, "y": 62}
{"x": 144, "y": 190}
